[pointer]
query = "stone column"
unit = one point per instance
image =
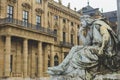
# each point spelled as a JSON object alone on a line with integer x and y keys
{"x": 18, "y": 63}
{"x": 52, "y": 56}
{"x": 46, "y": 58}
{"x": 33, "y": 62}
{"x": 7, "y": 56}
{"x": 40, "y": 60}
{"x": 25, "y": 56}
{"x": 18, "y": 58}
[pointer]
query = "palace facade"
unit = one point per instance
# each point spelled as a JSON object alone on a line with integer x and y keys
{"x": 34, "y": 35}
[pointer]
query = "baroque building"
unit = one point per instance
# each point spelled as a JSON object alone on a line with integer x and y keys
{"x": 34, "y": 35}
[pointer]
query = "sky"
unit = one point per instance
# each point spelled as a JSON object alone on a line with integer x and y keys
{"x": 107, "y": 5}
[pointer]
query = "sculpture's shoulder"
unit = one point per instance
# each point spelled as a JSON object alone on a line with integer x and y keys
{"x": 102, "y": 24}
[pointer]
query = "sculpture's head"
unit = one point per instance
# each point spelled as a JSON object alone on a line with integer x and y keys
{"x": 86, "y": 20}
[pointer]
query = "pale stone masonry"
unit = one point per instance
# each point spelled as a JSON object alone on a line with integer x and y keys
{"x": 35, "y": 34}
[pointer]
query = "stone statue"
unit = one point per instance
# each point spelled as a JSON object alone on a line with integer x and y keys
{"x": 99, "y": 44}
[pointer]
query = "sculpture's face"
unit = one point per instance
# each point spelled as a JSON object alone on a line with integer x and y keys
{"x": 86, "y": 20}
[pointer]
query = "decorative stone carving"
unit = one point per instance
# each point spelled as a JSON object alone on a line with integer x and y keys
{"x": 39, "y": 10}
{"x": 85, "y": 62}
{"x": 26, "y": 5}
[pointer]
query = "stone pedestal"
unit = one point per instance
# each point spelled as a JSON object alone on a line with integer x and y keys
{"x": 113, "y": 76}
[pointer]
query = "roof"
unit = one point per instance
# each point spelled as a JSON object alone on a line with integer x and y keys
{"x": 88, "y": 10}
{"x": 111, "y": 16}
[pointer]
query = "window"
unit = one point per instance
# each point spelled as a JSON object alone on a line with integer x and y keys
{"x": 64, "y": 20}
{"x": 38, "y": 22}
{"x": 55, "y": 17}
{"x": 55, "y": 32}
{"x": 25, "y": 18}
{"x": 11, "y": 63}
{"x": 10, "y": 13}
{"x": 64, "y": 37}
{"x": 72, "y": 24}
{"x": 39, "y": 1}
{"x": 78, "y": 26}
{"x": 56, "y": 62}
{"x": 72, "y": 39}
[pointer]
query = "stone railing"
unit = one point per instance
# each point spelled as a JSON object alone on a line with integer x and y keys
{"x": 27, "y": 25}
{"x": 66, "y": 44}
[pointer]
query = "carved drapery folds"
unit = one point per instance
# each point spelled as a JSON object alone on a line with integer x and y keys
{"x": 26, "y": 6}
{"x": 39, "y": 10}
{"x": 12, "y": 1}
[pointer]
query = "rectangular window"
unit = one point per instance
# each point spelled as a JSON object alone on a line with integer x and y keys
{"x": 38, "y": 22}
{"x": 39, "y": 1}
{"x": 10, "y": 13}
{"x": 55, "y": 17}
{"x": 55, "y": 32}
{"x": 64, "y": 20}
{"x": 72, "y": 24}
{"x": 64, "y": 37}
{"x": 25, "y": 18}
{"x": 72, "y": 39}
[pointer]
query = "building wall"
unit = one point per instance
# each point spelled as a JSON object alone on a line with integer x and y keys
{"x": 26, "y": 51}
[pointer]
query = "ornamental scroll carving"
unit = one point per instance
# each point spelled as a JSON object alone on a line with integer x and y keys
{"x": 39, "y": 10}
{"x": 26, "y": 5}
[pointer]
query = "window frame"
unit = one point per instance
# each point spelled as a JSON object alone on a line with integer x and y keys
{"x": 25, "y": 18}
{"x": 38, "y": 21}
{"x": 10, "y": 12}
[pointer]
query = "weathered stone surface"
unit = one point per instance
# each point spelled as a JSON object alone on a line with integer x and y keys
{"x": 98, "y": 77}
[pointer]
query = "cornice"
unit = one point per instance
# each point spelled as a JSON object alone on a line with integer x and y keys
{"x": 63, "y": 9}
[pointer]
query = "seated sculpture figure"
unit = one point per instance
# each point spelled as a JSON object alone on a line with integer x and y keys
{"x": 98, "y": 42}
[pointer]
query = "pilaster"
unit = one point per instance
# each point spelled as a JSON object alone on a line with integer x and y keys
{"x": 25, "y": 57}
{"x": 7, "y": 56}
{"x": 40, "y": 60}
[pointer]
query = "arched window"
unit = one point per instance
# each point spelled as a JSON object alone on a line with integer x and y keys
{"x": 56, "y": 62}
{"x": 48, "y": 60}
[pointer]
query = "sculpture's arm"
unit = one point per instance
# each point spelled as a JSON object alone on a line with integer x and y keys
{"x": 105, "y": 38}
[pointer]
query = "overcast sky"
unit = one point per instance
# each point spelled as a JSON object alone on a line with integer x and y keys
{"x": 107, "y": 5}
